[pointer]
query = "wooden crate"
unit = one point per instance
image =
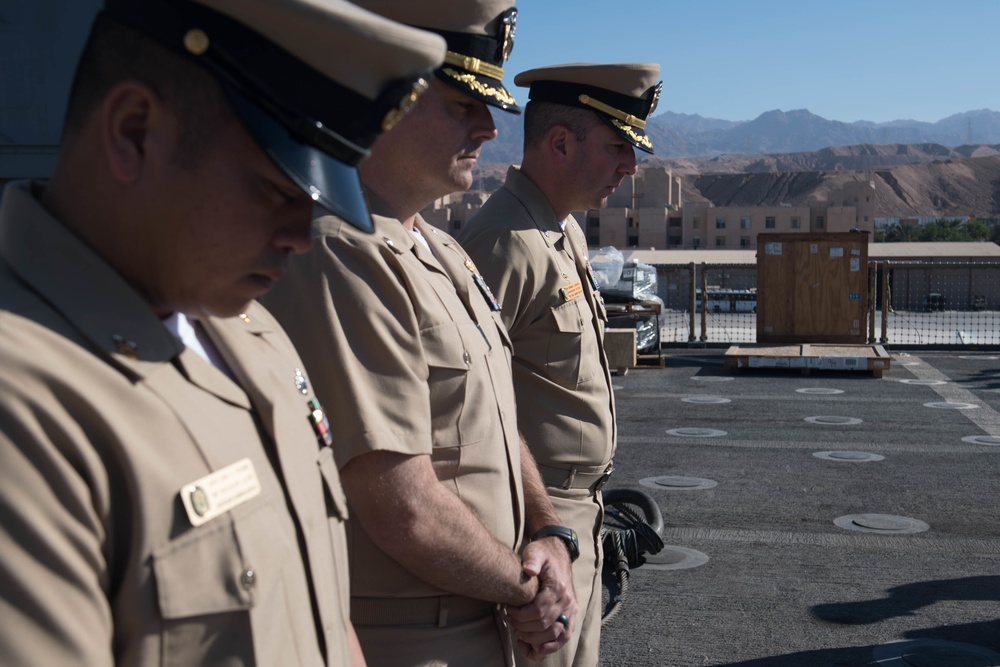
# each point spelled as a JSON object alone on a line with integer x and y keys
{"x": 619, "y": 346}
{"x": 810, "y": 356}
{"x": 812, "y": 288}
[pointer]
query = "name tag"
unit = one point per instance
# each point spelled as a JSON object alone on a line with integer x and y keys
{"x": 572, "y": 291}
{"x": 217, "y": 493}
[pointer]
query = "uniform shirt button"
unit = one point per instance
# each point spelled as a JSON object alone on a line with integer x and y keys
{"x": 249, "y": 578}
{"x": 467, "y": 357}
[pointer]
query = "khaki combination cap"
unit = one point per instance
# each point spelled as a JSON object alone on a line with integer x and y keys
{"x": 622, "y": 95}
{"x": 313, "y": 81}
{"x": 480, "y": 36}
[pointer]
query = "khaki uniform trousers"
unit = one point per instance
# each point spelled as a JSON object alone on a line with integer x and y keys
{"x": 471, "y": 633}
{"x": 583, "y": 511}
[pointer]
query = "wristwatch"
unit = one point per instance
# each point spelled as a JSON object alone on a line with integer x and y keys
{"x": 567, "y": 535}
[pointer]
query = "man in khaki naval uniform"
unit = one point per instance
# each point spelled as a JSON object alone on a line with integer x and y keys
{"x": 406, "y": 348}
{"x": 168, "y": 493}
{"x": 580, "y": 127}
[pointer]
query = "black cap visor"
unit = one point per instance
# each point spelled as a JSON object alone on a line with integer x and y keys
{"x": 332, "y": 184}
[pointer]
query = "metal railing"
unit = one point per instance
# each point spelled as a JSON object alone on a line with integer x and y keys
{"x": 928, "y": 303}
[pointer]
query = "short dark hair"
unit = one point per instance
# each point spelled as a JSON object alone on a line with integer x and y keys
{"x": 540, "y": 117}
{"x": 115, "y": 53}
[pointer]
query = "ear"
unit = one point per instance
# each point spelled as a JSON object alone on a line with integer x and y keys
{"x": 132, "y": 116}
{"x": 557, "y": 142}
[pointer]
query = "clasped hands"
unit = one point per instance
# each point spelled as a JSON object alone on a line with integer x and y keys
{"x": 545, "y": 624}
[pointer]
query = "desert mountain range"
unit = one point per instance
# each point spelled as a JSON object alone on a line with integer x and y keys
{"x": 928, "y": 170}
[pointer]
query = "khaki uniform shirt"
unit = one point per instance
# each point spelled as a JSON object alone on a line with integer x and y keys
{"x": 104, "y": 417}
{"x": 408, "y": 357}
{"x": 556, "y": 321}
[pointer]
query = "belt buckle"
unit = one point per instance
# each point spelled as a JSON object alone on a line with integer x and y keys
{"x": 602, "y": 480}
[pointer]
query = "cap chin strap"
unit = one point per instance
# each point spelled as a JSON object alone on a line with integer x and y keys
{"x": 626, "y": 118}
{"x": 474, "y": 65}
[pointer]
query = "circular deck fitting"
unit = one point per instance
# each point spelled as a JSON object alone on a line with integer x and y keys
{"x": 696, "y": 432}
{"x": 819, "y": 391}
{"x": 951, "y": 405}
{"x": 830, "y": 420}
{"x": 848, "y": 456}
{"x": 924, "y": 382}
{"x": 910, "y": 363}
{"x": 712, "y": 378}
{"x": 706, "y": 400}
{"x": 982, "y": 439}
{"x": 674, "y": 558}
{"x": 886, "y": 524}
{"x": 678, "y": 483}
{"x": 933, "y": 653}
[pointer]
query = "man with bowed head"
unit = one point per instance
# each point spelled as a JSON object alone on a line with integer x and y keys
{"x": 581, "y": 126}
{"x": 168, "y": 493}
{"x": 404, "y": 342}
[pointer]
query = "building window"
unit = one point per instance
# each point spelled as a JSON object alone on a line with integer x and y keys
{"x": 720, "y": 223}
{"x": 745, "y": 222}
{"x": 696, "y": 242}
{"x": 720, "y": 241}
{"x": 820, "y": 222}
{"x": 695, "y": 223}
{"x": 796, "y": 224}
{"x": 456, "y": 225}
{"x": 674, "y": 241}
{"x": 674, "y": 222}
{"x": 744, "y": 241}
{"x": 633, "y": 241}
{"x": 866, "y": 218}
{"x": 769, "y": 222}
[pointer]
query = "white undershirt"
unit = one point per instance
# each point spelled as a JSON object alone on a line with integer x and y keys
{"x": 194, "y": 337}
{"x": 420, "y": 237}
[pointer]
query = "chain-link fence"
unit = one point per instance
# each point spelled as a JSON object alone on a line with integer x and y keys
{"x": 929, "y": 303}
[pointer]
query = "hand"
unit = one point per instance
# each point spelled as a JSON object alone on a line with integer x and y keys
{"x": 535, "y": 628}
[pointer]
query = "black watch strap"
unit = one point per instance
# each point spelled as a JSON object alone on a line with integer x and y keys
{"x": 567, "y": 535}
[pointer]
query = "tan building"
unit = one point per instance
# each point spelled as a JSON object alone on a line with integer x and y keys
{"x": 647, "y": 211}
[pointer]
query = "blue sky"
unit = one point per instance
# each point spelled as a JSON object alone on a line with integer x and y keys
{"x": 877, "y": 60}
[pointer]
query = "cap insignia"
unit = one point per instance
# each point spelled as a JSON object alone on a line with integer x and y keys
{"x": 508, "y": 28}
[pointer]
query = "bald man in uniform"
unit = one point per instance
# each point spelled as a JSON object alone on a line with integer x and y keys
{"x": 405, "y": 344}
{"x": 168, "y": 493}
{"x": 581, "y": 125}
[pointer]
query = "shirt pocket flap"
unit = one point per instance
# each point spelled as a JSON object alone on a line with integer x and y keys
{"x": 444, "y": 347}
{"x": 201, "y": 573}
{"x": 568, "y": 317}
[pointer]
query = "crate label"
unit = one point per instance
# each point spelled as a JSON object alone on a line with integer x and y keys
{"x": 854, "y": 296}
{"x": 772, "y": 248}
{"x": 836, "y": 252}
{"x": 855, "y": 263}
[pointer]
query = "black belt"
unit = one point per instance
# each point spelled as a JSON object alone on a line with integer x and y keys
{"x": 576, "y": 477}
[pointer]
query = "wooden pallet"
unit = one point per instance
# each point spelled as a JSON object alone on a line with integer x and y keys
{"x": 809, "y": 357}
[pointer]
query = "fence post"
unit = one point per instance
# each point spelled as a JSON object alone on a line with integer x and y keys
{"x": 886, "y": 303}
{"x": 691, "y": 293}
{"x": 704, "y": 302}
{"x": 872, "y": 292}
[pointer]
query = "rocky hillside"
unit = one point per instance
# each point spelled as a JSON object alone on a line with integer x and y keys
{"x": 910, "y": 180}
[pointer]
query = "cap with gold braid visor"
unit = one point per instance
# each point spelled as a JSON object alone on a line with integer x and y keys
{"x": 312, "y": 126}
